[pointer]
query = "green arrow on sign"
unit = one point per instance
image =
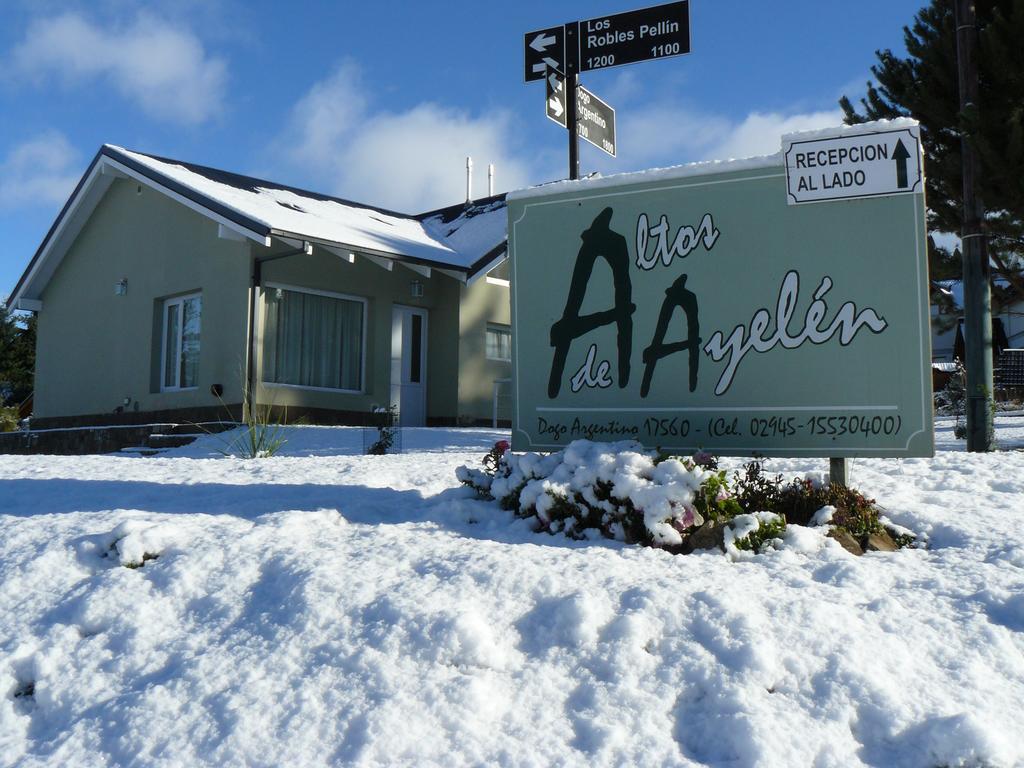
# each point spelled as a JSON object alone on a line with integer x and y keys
{"x": 900, "y": 155}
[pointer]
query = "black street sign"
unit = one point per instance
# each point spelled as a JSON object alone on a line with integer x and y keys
{"x": 554, "y": 101}
{"x": 545, "y": 49}
{"x": 595, "y": 120}
{"x": 642, "y": 35}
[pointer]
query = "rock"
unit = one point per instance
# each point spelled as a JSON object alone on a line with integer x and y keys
{"x": 708, "y": 536}
{"x": 880, "y": 542}
{"x": 846, "y": 541}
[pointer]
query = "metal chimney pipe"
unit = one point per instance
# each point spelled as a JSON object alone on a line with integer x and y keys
{"x": 469, "y": 179}
{"x": 490, "y": 179}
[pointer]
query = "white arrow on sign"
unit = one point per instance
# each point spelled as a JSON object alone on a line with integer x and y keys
{"x": 555, "y": 87}
{"x": 542, "y": 41}
{"x": 545, "y": 64}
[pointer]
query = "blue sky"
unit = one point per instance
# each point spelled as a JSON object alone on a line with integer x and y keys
{"x": 380, "y": 102}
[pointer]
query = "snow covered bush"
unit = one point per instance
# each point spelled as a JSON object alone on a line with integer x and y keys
{"x": 617, "y": 490}
{"x": 133, "y": 543}
{"x": 750, "y": 534}
{"x": 626, "y": 492}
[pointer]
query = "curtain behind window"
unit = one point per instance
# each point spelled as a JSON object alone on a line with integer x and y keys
{"x": 312, "y": 341}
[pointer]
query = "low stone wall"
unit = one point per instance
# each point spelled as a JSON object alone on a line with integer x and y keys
{"x": 81, "y": 441}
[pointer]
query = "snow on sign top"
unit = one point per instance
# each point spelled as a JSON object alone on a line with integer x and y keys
{"x": 853, "y": 163}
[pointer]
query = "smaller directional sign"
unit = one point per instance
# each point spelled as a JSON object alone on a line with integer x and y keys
{"x": 626, "y": 38}
{"x": 595, "y": 119}
{"x": 853, "y": 165}
{"x": 545, "y": 49}
{"x": 554, "y": 103}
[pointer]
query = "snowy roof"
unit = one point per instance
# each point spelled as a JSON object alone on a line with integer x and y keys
{"x": 463, "y": 238}
{"x": 274, "y": 209}
{"x": 478, "y": 228}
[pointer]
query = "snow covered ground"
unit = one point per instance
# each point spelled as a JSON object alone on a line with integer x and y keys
{"x": 326, "y": 608}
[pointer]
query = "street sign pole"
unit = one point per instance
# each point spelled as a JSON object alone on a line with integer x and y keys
{"x": 977, "y": 294}
{"x": 572, "y": 82}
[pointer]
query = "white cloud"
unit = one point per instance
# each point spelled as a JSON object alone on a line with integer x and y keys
{"x": 161, "y": 66}
{"x": 761, "y": 134}
{"x": 670, "y": 133}
{"x": 412, "y": 160}
{"x": 40, "y": 171}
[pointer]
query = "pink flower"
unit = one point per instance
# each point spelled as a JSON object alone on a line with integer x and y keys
{"x": 704, "y": 459}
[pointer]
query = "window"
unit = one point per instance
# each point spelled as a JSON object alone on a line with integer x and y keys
{"x": 181, "y": 342}
{"x": 499, "y": 342}
{"x": 313, "y": 339}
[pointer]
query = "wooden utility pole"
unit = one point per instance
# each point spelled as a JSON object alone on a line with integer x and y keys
{"x": 977, "y": 294}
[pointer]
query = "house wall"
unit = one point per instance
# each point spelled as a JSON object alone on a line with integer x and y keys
{"x": 482, "y": 303}
{"x": 382, "y": 289}
{"x": 96, "y": 348}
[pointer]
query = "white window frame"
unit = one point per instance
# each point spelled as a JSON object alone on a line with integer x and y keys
{"x": 315, "y": 292}
{"x": 498, "y": 327}
{"x": 180, "y": 301}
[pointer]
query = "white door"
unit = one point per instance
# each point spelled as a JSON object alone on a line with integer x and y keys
{"x": 409, "y": 365}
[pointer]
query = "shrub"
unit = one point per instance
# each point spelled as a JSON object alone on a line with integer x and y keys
{"x": 385, "y": 421}
{"x": 262, "y": 435}
{"x": 800, "y": 499}
{"x": 617, "y": 490}
{"x": 622, "y": 491}
{"x": 8, "y": 419}
{"x": 753, "y": 533}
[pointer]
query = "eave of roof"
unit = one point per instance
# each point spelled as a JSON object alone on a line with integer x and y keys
{"x": 428, "y": 246}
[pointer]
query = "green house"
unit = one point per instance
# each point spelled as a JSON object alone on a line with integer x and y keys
{"x": 165, "y": 289}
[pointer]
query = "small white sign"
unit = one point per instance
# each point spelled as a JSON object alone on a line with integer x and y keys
{"x": 851, "y": 166}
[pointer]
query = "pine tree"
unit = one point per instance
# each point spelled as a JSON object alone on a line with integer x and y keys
{"x": 17, "y": 357}
{"x": 924, "y": 86}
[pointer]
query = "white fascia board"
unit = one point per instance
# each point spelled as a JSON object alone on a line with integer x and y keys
{"x": 95, "y": 186}
{"x": 224, "y": 232}
{"x": 28, "y": 305}
{"x": 109, "y": 170}
{"x": 482, "y": 272}
{"x": 417, "y": 268}
{"x": 131, "y": 173}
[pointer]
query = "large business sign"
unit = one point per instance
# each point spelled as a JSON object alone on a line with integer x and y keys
{"x": 698, "y": 308}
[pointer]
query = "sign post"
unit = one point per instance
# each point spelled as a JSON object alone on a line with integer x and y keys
{"x": 572, "y": 82}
